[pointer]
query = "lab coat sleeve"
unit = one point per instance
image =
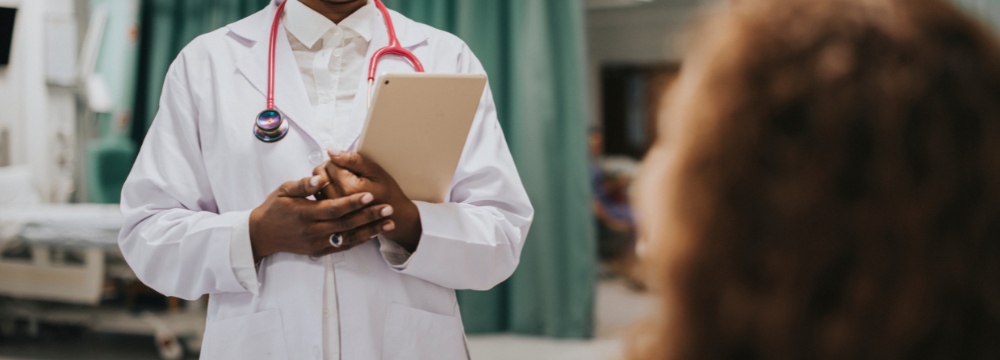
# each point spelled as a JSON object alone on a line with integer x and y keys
{"x": 395, "y": 254}
{"x": 474, "y": 241}
{"x": 173, "y": 236}
{"x": 241, "y": 256}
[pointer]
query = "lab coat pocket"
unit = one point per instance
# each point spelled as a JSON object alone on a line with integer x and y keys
{"x": 415, "y": 334}
{"x": 255, "y": 336}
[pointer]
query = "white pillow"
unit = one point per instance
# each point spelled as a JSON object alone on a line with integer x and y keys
{"x": 16, "y": 187}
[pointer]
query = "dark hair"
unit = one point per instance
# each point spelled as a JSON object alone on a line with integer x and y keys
{"x": 844, "y": 202}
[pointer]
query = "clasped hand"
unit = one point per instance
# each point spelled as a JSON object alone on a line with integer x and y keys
{"x": 356, "y": 199}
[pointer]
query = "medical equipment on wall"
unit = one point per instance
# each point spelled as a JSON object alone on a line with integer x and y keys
{"x": 270, "y": 126}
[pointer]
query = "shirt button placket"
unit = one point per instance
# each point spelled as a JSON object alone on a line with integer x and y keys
{"x": 316, "y": 157}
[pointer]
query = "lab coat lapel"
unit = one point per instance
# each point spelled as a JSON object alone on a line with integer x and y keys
{"x": 290, "y": 95}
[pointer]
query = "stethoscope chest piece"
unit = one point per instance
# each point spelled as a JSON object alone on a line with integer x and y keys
{"x": 270, "y": 126}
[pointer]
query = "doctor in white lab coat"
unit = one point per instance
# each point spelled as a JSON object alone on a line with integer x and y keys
{"x": 209, "y": 209}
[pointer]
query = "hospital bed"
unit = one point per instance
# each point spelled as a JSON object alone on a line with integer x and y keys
{"x": 55, "y": 262}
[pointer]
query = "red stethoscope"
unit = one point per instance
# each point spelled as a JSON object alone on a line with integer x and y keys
{"x": 270, "y": 126}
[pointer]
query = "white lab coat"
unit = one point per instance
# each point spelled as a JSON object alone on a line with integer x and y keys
{"x": 201, "y": 171}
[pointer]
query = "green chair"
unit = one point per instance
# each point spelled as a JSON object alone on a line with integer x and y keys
{"x": 109, "y": 161}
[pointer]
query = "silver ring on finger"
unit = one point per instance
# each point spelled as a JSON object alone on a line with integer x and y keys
{"x": 336, "y": 240}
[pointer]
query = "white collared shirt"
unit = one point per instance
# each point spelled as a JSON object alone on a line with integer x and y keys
{"x": 331, "y": 59}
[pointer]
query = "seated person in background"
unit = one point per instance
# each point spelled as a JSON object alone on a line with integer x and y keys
{"x": 610, "y": 179}
{"x": 611, "y": 207}
{"x": 828, "y": 188}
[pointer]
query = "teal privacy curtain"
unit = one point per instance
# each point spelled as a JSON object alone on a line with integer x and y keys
{"x": 166, "y": 27}
{"x": 533, "y": 51}
{"x": 109, "y": 155}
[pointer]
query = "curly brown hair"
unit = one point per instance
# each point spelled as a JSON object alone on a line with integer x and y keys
{"x": 837, "y": 187}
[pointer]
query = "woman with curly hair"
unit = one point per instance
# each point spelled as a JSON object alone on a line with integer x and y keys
{"x": 827, "y": 186}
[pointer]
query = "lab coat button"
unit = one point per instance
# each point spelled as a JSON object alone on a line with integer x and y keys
{"x": 316, "y": 157}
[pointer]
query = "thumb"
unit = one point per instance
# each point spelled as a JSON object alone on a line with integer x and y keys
{"x": 305, "y": 187}
{"x": 352, "y": 162}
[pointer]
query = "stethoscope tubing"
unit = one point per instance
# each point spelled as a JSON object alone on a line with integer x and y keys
{"x": 270, "y": 54}
{"x": 394, "y": 48}
{"x": 270, "y": 125}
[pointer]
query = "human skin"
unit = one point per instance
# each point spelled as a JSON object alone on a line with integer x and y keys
{"x": 335, "y": 10}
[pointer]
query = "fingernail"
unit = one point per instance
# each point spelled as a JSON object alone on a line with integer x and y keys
{"x": 389, "y": 227}
{"x": 387, "y": 211}
{"x": 335, "y": 153}
{"x": 314, "y": 181}
{"x": 367, "y": 198}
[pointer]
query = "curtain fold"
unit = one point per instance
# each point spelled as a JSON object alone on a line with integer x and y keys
{"x": 534, "y": 54}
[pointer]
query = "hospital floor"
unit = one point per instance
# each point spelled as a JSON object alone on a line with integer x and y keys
{"x": 618, "y": 307}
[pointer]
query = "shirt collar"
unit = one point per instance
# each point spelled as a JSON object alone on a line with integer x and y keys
{"x": 309, "y": 26}
{"x": 362, "y": 21}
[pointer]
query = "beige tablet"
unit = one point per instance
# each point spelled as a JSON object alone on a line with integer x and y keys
{"x": 417, "y": 127}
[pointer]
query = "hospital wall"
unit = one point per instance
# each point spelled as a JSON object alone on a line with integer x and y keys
{"x": 652, "y": 31}
{"x": 38, "y": 118}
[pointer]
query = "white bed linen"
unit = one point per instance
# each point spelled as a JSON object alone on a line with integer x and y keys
{"x": 64, "y": 225}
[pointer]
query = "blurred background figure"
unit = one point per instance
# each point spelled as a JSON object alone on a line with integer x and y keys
{"x": 611, "y": 179}
{"x": 828, "y": 187}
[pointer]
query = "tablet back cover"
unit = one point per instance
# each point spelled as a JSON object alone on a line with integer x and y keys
{"x": 417, "y": 128}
